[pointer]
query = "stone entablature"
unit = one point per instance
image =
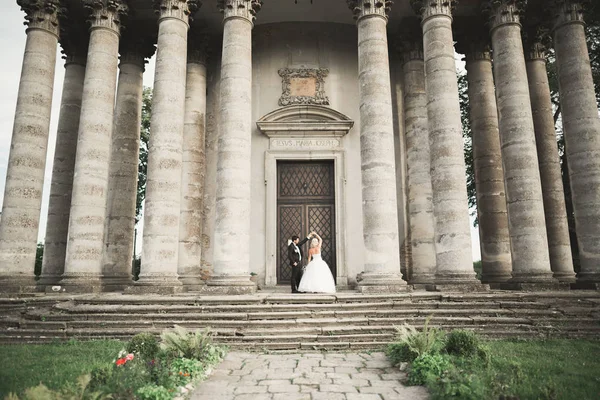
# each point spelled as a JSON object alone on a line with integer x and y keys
{"x": 107, "y": 14}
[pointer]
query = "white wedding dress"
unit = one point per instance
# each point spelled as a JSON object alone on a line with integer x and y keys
{"x": 317, "y": 277}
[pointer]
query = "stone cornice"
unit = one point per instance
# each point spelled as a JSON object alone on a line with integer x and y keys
{"x": 136, "y": 47}
{"x": 366, "y": 8}
{"x": 246, "y": 9}
{"x": 42, "y": 14}
{"x": 431, "y": 8}
{"x": 179, "y": 9}
{"x": 568, "y": 11}
{"x": 198, "y": 47}
{"x": 109, "y": 14}
{"x": 503, "y": 12}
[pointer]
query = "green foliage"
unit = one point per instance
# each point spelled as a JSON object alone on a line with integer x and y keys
{"x": 143, "y": 154}
{"x": 78, "y": 391}
{"x": 399, "y": 352}
{"x": 154, "y": 392}
{"x": 121, "y": 382}
{"x": 183, "y": 370}
{"x": 145, "y": 345}
{"x": 478, "y": 268}
{"x": 427, "y": 367}
{"x": 39, "y": 256}
{"x": 180, "y": 342}
{"x": 429, "y": 340}
{"x": 465, "y": 110}
{"x": 462, "y": 343}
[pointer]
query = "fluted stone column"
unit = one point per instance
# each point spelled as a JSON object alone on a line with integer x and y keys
{"x": 231, "y": 272}
{"x": 194, "y": 164}
{"x": 135, "y": 47}
{"x": 160, "y": 246}
{"x": 529, "y": 243}
{"x": 380, "y": 212}
{"x": 74, "y": 40}
{"x": 27, "y": 158}
{"x": 83, "y": 265}
{"x": 582, "y": 134}
{"x": 452, "y": 230}
{"x": 557, "y": 226}
{"x": 494, "y": 237}
{"x": 420, "y": 193}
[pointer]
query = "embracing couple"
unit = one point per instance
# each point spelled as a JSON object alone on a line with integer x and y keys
{"x": 317, "y": 277}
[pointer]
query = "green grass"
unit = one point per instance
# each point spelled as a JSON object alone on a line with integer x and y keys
{"x": 551, "y": 369}
{"x": 23, "y": 366}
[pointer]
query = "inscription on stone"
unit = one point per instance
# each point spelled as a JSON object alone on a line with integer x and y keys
{"x": 305, "y": 144}
{"x": 303, "y": 86}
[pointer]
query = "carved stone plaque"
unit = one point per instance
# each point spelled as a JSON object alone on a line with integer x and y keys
{"x": 303, "y": 86}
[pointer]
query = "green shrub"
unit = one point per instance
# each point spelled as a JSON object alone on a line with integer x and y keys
{"x": 183, "y": 370}
{"x": 144, "y": 345}
{"x": 427, "y": 367}
{"x": 455, "y": 383}
{"x": 121, "y": 382}
{"x": 428, "y": 341}
{"x": 181, "y": 343}
{"x": 153, "y": 392}
{"x": 462, "y": 343}
{"x": 400, "y": 352}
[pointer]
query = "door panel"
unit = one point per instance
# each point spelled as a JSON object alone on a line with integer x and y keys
{"x": 291, "y": 222}
{"x": 321, "y": 219}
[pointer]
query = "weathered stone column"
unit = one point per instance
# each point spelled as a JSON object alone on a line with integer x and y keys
{"x": 582, "y": 133}
{"x": 27, "y": 158}
{"x": 194, "y": 164}
{"x": 74, "y": 40}
{"x": 452, "y": 230}
{"x": 163, "y": 189}
{"x": 557, "y": 226}
{"x": 420, "y": 193}
{"x": 494, "y": 237}
{"x": 380, "y": 212}
{"x": 231, "y": 272}
{"x": 83, "y": 265}
{"x": 529, "y": 243}
{"x": 135, "y": 47}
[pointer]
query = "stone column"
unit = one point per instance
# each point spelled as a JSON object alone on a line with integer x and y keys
{"x": 557, "y": 226}
{"x": 582, "y": 133}
{"x": 489, "y": 175}
{"x": 74, "y": 40}
{"x": 194, "y": 164}
{"x": 231, "y": 272}
{"x": 27, "y": 158}
{"x": 135, "y": 47}
{"x": 163, "y": 189}
{"x": 83, "y": 265}
{"x": 420, "y": 193}
{"x": 380, "y": 212}
{"x": 529, "y": 243}
{"x": 448, "y": 177}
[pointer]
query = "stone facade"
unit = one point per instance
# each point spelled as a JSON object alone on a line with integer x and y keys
{"x": 242, "y": 88}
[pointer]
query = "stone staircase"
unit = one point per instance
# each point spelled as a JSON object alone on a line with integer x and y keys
{"x": 277, "y": 321}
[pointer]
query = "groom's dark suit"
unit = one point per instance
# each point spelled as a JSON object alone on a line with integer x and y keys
{"x": 296, "y": 257}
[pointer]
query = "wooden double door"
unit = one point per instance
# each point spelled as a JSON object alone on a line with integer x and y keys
{"x": 305, "y": 203}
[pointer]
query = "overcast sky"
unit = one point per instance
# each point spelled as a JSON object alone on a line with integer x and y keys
{"x": 12, "y": 43}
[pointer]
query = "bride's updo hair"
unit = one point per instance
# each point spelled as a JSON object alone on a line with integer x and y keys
{"x": 314, "y": 242}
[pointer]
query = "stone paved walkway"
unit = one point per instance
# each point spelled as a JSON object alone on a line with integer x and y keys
{"x": 308, "y": 376}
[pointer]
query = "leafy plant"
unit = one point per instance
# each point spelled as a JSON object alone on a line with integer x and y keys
{"x": 429, "y": 340}
{"x": 154, "y": 392}
{"x": 183, "y": 370}
{"x": 182, "y": 343}
{"x": 145, "y": 345}
{"x": 462, "y": 343}
{"x": 427, "y": 367}
{"x": 400, "y": 352}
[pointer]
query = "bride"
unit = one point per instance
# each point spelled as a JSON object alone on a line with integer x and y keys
{"x": 317, "y": 276}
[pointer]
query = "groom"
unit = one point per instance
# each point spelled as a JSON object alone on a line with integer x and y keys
{"x": 295, "y": 257}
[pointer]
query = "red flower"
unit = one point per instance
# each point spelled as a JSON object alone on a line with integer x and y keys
{"x": 121, "y": 361}
{"x": 129, "y": 357}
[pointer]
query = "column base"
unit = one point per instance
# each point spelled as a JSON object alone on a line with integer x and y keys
{"x": 495, "y": 279}
{"x": 535, "y": 286}
{"x": 382, "y": 283}
{"x": 18, "y": 284}
{"x": 587, "y": 281}
{"x": 459, "y": 287}
{"x": 116, "y": 283}
{"x": 79, "y": 283}
{"x": 191, "y": 283}
{"x": 48, "y": 280}
{"x": 155, "y": 284}
{"x": 422, "y": 279}
{"x": 565, "y": 277}
{"x": 229, "y": 284}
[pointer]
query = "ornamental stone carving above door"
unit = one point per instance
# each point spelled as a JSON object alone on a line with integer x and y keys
{"x": 303, "y": 86}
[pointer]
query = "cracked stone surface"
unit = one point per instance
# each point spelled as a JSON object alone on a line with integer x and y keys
{"x": 308, "y": 376}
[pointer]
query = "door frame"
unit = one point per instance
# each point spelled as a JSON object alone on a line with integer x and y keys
{"x": 271, "y": 245}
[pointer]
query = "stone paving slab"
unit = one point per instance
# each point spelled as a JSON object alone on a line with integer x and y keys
{"x": 307, "y": 376}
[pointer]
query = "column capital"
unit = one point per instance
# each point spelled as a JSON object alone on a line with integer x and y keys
{"x": 568, "y": 11}
{"x": 246, "y": 9}
{"x": 503, "y": 12}
{"x": 42, "y": 14}
{"x": 198, "y": 47}
{"x": 536, "y": 41}
{"x": 473, "y": 40}
{"x": 74, "y": 38}
{"x": 365, "y": 8}
{"x": 135, "y": 47}
{"x": 107, "y": 14}
{"x": 180, "y": 9}
{"x": 430, "y": 8}
{"x": 409, "y": 41}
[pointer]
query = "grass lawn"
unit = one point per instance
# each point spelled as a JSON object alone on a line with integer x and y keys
{"x": 24, "y": 366}
{"x": 551, "y": 369}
